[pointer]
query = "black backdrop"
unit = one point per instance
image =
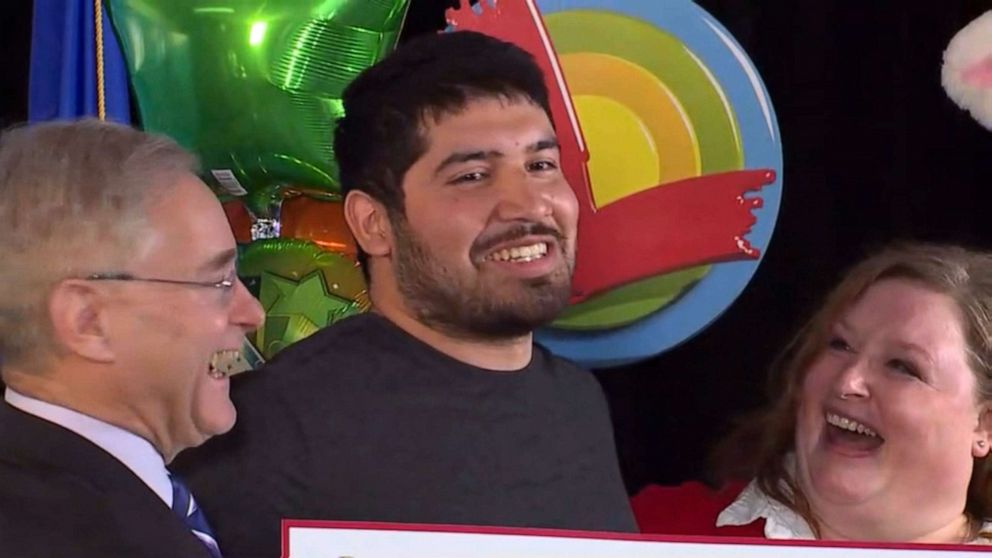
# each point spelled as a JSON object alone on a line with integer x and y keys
{"x": 874, "y": 152}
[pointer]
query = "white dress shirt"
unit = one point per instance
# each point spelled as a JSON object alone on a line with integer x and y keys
{"x": 136, "y": 453}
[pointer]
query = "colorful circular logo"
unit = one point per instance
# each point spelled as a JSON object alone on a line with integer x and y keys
{"x": 664, "y": 95}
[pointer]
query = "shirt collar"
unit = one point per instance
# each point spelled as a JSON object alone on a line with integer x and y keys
{"x": 136, "y": 453}
{"x": 780, "y": 521}
{"x": 753, "y": 504}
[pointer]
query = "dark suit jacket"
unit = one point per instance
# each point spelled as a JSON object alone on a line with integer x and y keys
{"x": 61, "y": 496}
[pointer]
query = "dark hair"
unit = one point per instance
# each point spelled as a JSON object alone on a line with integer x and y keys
{"x": 386, "y": 106}
{"x": 758, "y": 447}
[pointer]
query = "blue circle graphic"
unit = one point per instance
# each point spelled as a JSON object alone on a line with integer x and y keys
{"x": 710, "y": 42}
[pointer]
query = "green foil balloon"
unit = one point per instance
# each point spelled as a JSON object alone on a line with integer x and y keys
{"x": 253, "y": 86}
{"x": 301, "y": 287}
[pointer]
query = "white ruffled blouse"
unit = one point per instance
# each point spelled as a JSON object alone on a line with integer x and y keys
{"x": 781, "y": 522}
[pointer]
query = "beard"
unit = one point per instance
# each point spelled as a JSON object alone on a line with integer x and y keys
{"x": 483, "y": 306}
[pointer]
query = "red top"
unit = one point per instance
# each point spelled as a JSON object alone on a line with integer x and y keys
{"x": 690, "y": 509}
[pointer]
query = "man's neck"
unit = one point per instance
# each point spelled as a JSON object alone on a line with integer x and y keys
{"x": 498, "y": 355}
{"x": 76, "y": 396}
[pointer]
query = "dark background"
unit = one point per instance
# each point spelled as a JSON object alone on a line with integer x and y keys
{"x": 874, "y": 152}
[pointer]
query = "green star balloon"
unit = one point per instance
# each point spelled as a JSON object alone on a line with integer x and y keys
{"x": 308, "y": 298}
{"x": 297, "y": 309}
{"x": 302, "y": 288}
{"x": 253, "y": 86}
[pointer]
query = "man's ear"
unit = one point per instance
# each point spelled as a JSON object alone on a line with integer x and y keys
{"x": 78, "y": 313}
{"x": 369, "y": 222}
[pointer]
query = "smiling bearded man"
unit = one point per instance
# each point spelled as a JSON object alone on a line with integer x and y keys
{"x": 485, "y": 248}
{"x": 437, "y": 407}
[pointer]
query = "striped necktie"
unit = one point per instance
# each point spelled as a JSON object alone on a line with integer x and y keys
{"x": 186, "y": 508}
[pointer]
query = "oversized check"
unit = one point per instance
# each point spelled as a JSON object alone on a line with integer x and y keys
{"x": 345, "y": 539}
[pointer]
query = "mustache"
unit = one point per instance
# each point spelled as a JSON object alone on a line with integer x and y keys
{"x": 521, "y": 230}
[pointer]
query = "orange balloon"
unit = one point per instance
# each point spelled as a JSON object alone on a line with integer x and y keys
{"x": 239, "y": 219}
{"x": 321, "y": 222}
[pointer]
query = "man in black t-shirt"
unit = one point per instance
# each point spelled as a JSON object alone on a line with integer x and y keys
{"x": 437, "y": 407}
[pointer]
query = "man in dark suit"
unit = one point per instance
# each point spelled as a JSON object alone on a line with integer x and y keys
{"x": 120, "y": 317}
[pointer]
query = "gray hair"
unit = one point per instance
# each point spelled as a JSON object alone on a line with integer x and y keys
{"x": 73, "y": 197}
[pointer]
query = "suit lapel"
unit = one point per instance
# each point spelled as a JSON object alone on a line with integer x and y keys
{"x": 34, "y": 442}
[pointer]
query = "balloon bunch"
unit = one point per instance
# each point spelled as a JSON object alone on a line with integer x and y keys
{"x": 254, "y": 88}
{"x": 305, "y": 279}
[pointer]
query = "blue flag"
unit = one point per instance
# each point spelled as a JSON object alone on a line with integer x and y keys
{"x": 63, "y": 73}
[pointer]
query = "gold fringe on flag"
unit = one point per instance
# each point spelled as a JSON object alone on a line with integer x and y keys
{"x": 101, "y": 106}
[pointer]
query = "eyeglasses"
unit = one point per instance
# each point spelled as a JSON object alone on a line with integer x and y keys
{"x": 224, "y": 284}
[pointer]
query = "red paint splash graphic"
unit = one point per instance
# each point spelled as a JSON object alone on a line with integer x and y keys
{"x": 657, "y": 230}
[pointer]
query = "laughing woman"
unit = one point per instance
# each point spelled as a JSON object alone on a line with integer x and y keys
{"x": 881, "y": 425}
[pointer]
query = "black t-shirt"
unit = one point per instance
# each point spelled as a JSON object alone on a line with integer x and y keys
{"x": 363, "y": 422}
